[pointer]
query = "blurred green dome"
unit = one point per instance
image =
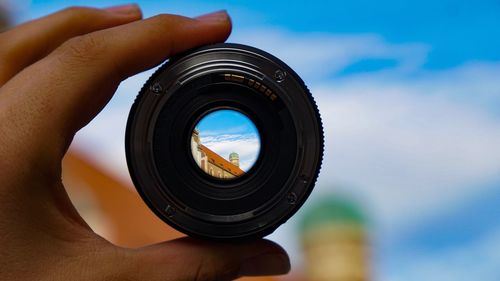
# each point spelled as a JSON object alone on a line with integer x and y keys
{"x": 330, "y": 211}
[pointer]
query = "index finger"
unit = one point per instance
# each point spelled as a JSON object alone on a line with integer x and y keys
{"x": 31, "y": 41}
{"x": 46, "y": 103}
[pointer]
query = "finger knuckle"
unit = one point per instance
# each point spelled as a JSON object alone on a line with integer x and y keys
{"x": 173, "y": 22}
{"x": 205, "y": 271}
{"x": 77, "y": 11}
{"x": 74, "y": 16}
{"x": 169, "y": 19}
{"x": 209, "y": 269}
{"x": 81, "y": 48}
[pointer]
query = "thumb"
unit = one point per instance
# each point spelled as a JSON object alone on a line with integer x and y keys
{"x": 190, "y": 259}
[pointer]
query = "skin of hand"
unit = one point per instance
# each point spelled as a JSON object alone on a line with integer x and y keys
{"x": 56, "y": 74}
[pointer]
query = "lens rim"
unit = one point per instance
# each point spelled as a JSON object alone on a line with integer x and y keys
{"x": 250, "y": 63}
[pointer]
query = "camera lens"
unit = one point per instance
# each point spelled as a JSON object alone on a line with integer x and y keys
{"x": 224, "y": 142}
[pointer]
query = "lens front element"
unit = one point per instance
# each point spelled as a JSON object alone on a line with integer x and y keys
{"x": 225, "y": 144}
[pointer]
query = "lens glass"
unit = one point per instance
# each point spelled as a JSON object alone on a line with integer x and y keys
{"x": 225, "y": 144}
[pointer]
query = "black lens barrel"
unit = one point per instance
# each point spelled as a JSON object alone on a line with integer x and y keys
{"x": 235, "y": 77}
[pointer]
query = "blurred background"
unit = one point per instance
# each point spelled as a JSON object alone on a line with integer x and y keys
{"x": 410, "y": 98}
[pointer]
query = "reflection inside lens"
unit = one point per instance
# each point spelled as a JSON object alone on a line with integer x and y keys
{"x": 225, "y": 144}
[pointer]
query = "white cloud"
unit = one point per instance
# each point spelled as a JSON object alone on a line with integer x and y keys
{"x": 232, "y": 130}
{"x": 400, "y": 144}
{"x": 315, "y": 56}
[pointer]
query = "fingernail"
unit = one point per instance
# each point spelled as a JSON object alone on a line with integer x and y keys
{"x": 124, "y": 9}
{"x": 218, "y": 16}
{"x": 266, "y": 264}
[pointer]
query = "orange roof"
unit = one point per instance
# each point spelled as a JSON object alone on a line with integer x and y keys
{"x": 129, "y": 220}
{"x": 218, "y": 161}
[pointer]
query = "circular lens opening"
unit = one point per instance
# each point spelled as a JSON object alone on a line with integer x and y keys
{"x": 225, "y": 144}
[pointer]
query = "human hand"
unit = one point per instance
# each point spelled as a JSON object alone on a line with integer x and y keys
{"x": 56, "y": 74}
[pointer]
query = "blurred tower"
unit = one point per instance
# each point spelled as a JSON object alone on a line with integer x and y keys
{"x": 335, "y": 242}
{"x": 234, "y": 158}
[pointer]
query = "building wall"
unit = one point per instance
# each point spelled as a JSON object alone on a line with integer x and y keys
{"x": 212, "y": 163}
{"x": 217, "y": 172}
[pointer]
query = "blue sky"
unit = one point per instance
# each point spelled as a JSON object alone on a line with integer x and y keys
{"x": 410, "y": 98}
{"x": 458, "y": 31}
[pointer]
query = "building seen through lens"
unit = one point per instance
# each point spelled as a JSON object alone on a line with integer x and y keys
{"x": 212, "y": 163}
